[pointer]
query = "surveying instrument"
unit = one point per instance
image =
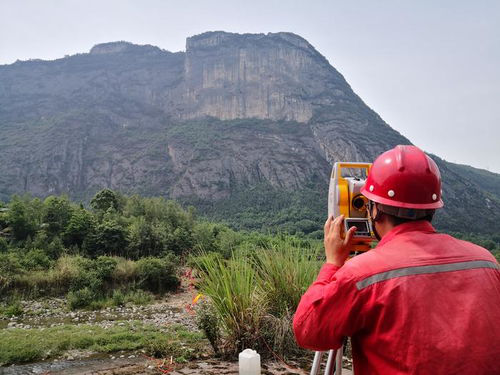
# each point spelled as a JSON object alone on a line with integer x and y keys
{"x": 345, "y": 198}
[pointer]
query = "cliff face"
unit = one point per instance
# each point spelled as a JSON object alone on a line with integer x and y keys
{"x": 231, "y": 113}
{"x": 231, "y": 76}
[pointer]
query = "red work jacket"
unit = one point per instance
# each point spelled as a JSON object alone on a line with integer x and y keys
{"x": 419, "y": 303}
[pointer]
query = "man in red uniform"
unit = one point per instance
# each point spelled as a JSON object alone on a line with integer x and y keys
{"x": 421, "y": 302}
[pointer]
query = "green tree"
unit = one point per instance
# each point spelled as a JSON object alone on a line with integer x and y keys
{"x": 107, "y": 199}
{"x": 24, "y": 217}
{"x": 142, "y": 240}
{"x": 81, "y": 224}
{"x": 109, "y": 238}
{"x": 57, "y": 212}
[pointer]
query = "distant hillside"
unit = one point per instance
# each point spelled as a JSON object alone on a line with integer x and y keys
{"x": 246, "y": 127}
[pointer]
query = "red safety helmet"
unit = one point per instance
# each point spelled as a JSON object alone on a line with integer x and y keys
{"x": 404, "y": 177}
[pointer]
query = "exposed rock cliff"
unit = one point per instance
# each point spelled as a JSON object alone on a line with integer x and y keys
{"x": 231, "y": 115}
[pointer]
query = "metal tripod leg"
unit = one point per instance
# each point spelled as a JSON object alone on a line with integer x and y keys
{"x": 316, "y": 363}
{"x": 334, "y": 362}
{"x": 338, "y": 361}
{"x": 330, "y": 363}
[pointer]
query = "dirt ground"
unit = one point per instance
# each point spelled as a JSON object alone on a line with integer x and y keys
{"x": 144, "y": 366}
{"x": 175, "y": 309}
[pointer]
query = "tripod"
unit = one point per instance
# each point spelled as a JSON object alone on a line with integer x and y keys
{"x": 333, "y": 363}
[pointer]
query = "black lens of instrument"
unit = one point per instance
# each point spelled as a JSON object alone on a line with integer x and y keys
{"x": 358, "y": 203}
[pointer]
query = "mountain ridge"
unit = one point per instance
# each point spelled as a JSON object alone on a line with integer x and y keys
{"x": 231, "y": 113}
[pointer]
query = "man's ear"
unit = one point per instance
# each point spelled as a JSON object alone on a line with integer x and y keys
{"x": 377, "y": 215}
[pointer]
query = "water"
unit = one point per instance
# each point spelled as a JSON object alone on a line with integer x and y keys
{"x": 67, "y": 367}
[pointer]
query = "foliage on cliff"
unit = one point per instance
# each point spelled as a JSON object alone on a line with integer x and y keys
{"x": 233, "y": 122}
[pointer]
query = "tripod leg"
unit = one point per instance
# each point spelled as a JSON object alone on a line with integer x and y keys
{"x": 316, "y": 363}
{"x": 338, "y": 361}
{"x": 330, "y": 363}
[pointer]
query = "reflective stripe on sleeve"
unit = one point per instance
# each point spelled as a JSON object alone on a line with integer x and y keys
{"x": 418, "y": 270}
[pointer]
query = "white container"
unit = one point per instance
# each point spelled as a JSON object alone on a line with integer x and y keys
{"x": 249, "y": 361}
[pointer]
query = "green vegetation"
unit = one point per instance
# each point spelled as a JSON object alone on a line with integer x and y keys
{"x": 492, "y": 243}
{"x": 127, "y": 249}
{"x": 254, "y": 294}
{"x": 28, "y": 345}
{"x": 121, "y": 245}
{"x": 264, "y": 208}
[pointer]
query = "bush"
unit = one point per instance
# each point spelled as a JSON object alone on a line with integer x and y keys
{"x": 207, "y": 320}
{"x": 157, "y": 274}
{"x": 12, "y": 308}
{"x": 35, "y": 259}
{"x": 125, "y": 271}
{"x": 104, "y": 267}
{"x": 118, "y": 298}
{"x": 4, "y": 245}
{"x": 80, "y": 298}
{"x": 10, "y": 264}
{"x": 139, "y": 297}
{"x": 55, "y": 248}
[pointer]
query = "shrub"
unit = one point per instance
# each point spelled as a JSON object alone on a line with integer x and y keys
{"x": 55, "y": 248}
{"x": 4, "y": 245}
{"x": 125, "y": 271}
{"x": 139, "y": 297}
{"x": 36, "y": 259}
{"x": 118, "y": 298}
{"x": 104, "y": 267}
{"x": 207, "y": 320}
{"x": 80, "y": 298}
{"x": 157, "y": 274}
{"x": 12, "y": 308}
{"x": 10, "y": 264}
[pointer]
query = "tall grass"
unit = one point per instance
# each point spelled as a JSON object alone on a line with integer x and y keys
{"x": 285, "y": 272}
{"x": 254, "y": 294}
{"x": 238, "y": 302}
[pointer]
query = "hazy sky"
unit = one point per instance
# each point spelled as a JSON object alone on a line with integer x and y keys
{"x": 431, "y": 69}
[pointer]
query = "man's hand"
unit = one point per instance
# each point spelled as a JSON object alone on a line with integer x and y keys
{"x": 337, "y": 248}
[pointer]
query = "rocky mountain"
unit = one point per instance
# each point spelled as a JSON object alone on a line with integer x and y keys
{"x": 246, "y": 127}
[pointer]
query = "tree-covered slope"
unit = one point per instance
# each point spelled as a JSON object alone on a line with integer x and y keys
{"x": 247, "y": 127}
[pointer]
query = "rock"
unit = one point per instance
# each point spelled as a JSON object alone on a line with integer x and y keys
{"x": 231, "y": 114}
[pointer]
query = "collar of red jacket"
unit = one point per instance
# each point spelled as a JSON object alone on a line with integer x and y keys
{"x": 418, "y": 226}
